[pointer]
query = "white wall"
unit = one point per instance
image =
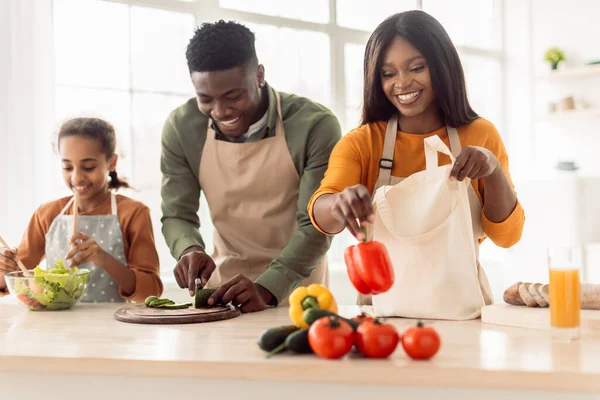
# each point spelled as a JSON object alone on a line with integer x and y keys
{"x": 561, "y": 208}
{"x": 572, "y": 26}
{"x": 26, "y": 120}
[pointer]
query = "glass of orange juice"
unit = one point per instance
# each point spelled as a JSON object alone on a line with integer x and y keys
{"x": 564, "y": 265}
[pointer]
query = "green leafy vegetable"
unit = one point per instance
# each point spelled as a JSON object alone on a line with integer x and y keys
{"x": 55, "y": 289}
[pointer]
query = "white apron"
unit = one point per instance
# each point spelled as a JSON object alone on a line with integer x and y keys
{"x": 252, "y": 192}
{"x": 106, "y": 231}
{"x": 431, "y": 227}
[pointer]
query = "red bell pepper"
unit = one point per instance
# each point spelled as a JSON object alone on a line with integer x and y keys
{"x": 369, "y": 267}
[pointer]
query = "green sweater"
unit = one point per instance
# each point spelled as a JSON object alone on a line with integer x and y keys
{"x": 311, "y": 132}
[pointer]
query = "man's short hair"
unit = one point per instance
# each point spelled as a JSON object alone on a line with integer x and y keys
{"x": 220, "y": 46}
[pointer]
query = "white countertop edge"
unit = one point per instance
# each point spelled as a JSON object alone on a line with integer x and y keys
{"x": 368, "y": 372}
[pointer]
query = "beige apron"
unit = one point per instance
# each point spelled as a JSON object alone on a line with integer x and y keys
{"x": 252, "y": 192}
{"x": 480, "y": 287}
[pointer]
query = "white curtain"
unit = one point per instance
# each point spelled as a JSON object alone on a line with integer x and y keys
{"x": 26, "y": 111}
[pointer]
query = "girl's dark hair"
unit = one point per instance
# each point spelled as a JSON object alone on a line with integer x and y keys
{"x": 100, "y": 130}
{"x": 428, "y": 36}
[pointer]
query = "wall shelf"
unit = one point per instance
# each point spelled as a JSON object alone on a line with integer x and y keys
{"x": 572, "y": 73}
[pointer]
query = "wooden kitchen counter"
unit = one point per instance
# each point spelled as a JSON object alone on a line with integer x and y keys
{"x": 87, "y": 340}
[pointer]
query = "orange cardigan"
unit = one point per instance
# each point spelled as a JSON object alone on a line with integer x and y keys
{"x": 355, "y": 159}
{"x": 138, "y": 239}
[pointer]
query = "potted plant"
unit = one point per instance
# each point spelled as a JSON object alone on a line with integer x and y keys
{"x": 554, "y": 56}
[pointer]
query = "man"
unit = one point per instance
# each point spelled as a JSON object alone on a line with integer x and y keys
{"x": 258, "y": 156}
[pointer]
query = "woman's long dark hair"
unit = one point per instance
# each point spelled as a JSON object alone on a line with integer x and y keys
{"x": 430, "y": 38}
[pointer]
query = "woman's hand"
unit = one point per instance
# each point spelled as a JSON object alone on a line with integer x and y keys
{"x": 352, "y": 207}
{"x": 85, "y": 249}
{"x": 474, "y": 162}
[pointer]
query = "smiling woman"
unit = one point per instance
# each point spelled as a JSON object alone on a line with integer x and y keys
{"x": 415, "y": 98}
{"x": 412, "y": 69}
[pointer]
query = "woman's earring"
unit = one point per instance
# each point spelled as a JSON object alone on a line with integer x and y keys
{"x": 261, "y": 85}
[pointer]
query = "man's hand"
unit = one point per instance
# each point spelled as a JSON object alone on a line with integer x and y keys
{"x": 193, "y": 264}
{"x": 242, "y": 292}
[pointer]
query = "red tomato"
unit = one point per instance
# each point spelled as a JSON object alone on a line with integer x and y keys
{"x": 331, "y": 337}
{"x": 420, "y": 343}
{"x": 362, "y": 317}
{"x": 24, "y": 299}
{"x": 369, "y": 267}
{"x": 376, "y": 339}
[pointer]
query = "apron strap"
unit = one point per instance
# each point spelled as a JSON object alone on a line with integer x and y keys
{"x": 113, "y": 203}
{"x": 64, "y": 210}
{"x": 455, "y": 146}
{"x": 279, "y": 126}
{"x": 386, "y": 162}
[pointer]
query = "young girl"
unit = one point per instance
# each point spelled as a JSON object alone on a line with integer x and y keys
{"x": 414, "y": 89}
{"x": 114, "y": 235}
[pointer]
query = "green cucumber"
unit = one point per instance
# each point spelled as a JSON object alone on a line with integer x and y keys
{"x": 180, "y": 306}
{"x": 160, "y": 302}
{"x": 296, "y": 342}
{"x": 150, "y": 299}
{"x": 155, "y": 302}
{"x": 312, "y": 314}
{"x": 270, "y": 339}
{"x": 202, "y": 296}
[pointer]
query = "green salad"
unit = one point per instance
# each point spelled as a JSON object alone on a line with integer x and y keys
{"x": 55, "y": 289}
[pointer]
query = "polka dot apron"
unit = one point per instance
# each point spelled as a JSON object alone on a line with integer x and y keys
{"x": 106, "y": 231}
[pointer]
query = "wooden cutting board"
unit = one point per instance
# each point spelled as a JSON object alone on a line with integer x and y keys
{"x": 140, "y": 314}
{"x": 534, "y": 317}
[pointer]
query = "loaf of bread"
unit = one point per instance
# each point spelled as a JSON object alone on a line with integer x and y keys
{"x": 537, "y": 295}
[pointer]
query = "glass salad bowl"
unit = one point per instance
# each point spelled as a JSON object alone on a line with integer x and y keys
{"x": 55, "y": 289}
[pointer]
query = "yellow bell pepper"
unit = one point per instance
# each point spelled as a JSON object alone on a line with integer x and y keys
{"x": 313, "y": 296}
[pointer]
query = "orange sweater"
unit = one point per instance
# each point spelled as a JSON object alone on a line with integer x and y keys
{"x": 355, "y": 159}
{"x": 138, "y": 240}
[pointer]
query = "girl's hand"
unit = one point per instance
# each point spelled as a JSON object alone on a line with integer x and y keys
{"x": 474, "y": 162}
{"x": 353, "y": 208}
{"x": 84, "y": 249}
{"x": 8, "y": 260}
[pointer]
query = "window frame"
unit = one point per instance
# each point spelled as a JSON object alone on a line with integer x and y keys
{"x": 209, "y": 10}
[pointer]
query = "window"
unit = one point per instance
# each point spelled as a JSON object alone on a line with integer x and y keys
{"x": 475, "y": 24}
{"x": 296, "y": 61}
{"x": 306, "y": 10}
{"x": 353, "y": 66}
{"x": 129, "y": 73}
{"x": 134, "y": 74}
{"x": 366, "y": 15}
